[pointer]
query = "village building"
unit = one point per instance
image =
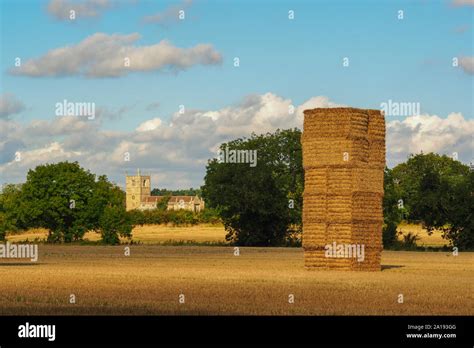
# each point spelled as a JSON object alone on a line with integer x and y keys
{"x": 192, "y": 203}
{"x": 138, "y": 196}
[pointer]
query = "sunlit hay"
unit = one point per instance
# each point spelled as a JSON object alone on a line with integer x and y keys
{"x": 344, "y": 159}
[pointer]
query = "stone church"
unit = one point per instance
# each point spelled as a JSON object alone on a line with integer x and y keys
{"x": 138, "y": 196}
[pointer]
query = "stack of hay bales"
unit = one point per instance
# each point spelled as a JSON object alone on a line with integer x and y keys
{"x": 344, "y": 160}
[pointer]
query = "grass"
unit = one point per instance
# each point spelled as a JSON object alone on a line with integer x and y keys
{"x": 149, "y": 234}
{"x": 433, "y": 240}
{"x": 204, "y": 234}
{"x": 214, "y": 281}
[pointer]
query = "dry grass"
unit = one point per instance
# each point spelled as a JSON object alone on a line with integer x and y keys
{"x": 215, "y": 281}
{"x": 146, "y": 234}
{"x": 29, "y": 235}
{"x": 155, "y": 234}
{"x": 435, "y": 240}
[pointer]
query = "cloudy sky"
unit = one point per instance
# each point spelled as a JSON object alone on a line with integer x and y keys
{"x": 167, "y": 90}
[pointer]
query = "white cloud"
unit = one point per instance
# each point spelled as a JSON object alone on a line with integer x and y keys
{"x": 255, "y": 113}
{"x": 10, "y": 105}
{"x": 169, "y": 15}
{"x": 467, "y": 63}
{"x": 430, "y": 133}
{"x": 149, "y": 125}
{"x": 175, "y": 152}
{"x": 61, "y": 9}
{"x": 61, "y": 125}
{"x": 50, "y": 152}
{"x": 104, "y": 55}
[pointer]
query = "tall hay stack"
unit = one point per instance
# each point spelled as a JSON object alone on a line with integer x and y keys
{"x": 344, "y": 161}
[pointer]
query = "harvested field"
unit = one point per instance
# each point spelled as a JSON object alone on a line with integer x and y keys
{"x": 214, "y": 281}
{"x": 155, "y": 234}
{"x": 146, "y": 234}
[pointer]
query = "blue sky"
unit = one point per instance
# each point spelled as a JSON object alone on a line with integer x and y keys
{"x": 408, "y": 60}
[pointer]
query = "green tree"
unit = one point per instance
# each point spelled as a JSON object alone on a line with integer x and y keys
{"x": 254, "y": 202}
{"x": 438, "y": 192}
{"x": 446, "y": 203}
{"x": 182, "y": 192}
{"x": 115, "y": 222}
{"x": 58, "y": 197}
{"x": 410, "y": 173}
{"x": 10, "y": 207}
{"x": 460, "y": 229}
{"x": 3, "y": 229}
{"x": 391, "y": 213}
{"x": 67, "y": 200}
{"x": 163, "y": 203}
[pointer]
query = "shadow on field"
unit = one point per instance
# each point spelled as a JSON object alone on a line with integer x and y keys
{"x": 384, "y": 267}
{"x": 19, "y": 264}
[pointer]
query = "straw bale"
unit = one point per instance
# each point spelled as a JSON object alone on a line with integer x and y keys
{"x": 317, "y": 259}
{"x": 368, "y": 233}
{"x": 336, "y": 122}
{"x": 377, "y": 152}
{"x": 376, "y": 128}
{"x": 348, "y": 207}
{"x": 367, "y": 206}
{"x": 323, "y": 152}
{"x": 315, "y": 180}
{"x": 343, "y": 180}
{"x": 342, "y": 200}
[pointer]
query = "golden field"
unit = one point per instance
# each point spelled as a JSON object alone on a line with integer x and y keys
{"x": 146, "y": 234}
{"x": 433, "y": 240}
{"x": 214, "y": 281}
{"x": 158, "y": 234}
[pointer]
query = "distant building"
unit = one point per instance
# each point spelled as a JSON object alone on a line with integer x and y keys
{"x": 138, "y": 196}
{"x": 191, "y": 203}
{"x": 137, "y": 190}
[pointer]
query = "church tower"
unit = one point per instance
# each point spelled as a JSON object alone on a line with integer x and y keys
{"x": 137, "y": 187}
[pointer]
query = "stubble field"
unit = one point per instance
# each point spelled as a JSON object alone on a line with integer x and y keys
{"x": 214, "y": 281}
{"x": 204, "y": 233}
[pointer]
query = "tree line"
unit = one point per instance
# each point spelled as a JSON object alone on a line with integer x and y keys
{"x": 180, "y": 192}
{"x": 69, "y": 201}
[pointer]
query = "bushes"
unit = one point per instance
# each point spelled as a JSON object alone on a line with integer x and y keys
{"x": 3, "y": 230}
{"x": 392, "y": 215}
{"x": 389, "y": 234}
{"x": 115, "y": 222}
{"x": 209, "y": 216}
{"x": 174, "y": 217}
{"x": 409, "y": 240}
